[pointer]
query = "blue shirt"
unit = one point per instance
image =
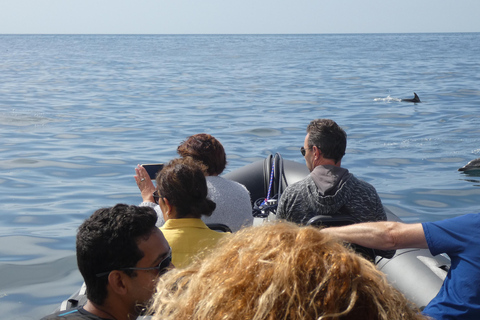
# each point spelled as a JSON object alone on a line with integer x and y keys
{"x": 459, "y": 296}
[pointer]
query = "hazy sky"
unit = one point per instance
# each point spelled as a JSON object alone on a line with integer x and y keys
{"x": 238, "y": 16}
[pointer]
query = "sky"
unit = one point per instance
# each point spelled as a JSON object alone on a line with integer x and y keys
{"x": 237, "y": 16}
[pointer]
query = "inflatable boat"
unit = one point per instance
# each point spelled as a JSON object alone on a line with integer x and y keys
{"x": 415, "y": 272}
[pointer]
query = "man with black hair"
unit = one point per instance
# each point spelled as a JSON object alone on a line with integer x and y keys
{"x": 120, "y": 254}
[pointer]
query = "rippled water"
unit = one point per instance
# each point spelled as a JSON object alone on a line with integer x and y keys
{"x": 77, "y": 113}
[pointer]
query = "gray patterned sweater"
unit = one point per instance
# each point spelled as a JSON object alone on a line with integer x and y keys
{"x": 330, "y": 190}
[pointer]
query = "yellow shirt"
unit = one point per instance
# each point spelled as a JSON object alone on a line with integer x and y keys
{"x": 187, "y": 238}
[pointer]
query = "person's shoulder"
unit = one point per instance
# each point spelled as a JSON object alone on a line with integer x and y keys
{"x": 296, "y": 193}
{"x": 224, "y": 185}
{"x": 222, "y": 180}
{"x": 235, "y": 184}
{"x": 466, "y": 220}
{"x": 299, "y": 186}
{"x": 469, "y": 217}
{"x": 74, "y": 314}
{"x": 359, "y": 183}
{"x": 214, "y": 236}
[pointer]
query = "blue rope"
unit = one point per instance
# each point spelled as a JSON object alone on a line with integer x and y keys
{"x": 271, "y": 181}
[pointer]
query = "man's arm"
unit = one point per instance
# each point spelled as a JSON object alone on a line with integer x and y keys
{"x": 383, "y": 235}
{"x": 281, "y": 207}
{"x": 285, "y": 203}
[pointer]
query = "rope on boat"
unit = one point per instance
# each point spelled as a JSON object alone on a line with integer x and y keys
{"x": 271, "y": 182}
{"x": 263, "y": 207}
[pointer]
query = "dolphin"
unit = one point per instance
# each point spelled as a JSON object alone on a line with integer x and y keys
{"x": 414, "y": 100}
{"x": 472, "y": 165}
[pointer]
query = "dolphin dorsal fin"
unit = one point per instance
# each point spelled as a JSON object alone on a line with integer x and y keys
{"x": 416, "y": 98}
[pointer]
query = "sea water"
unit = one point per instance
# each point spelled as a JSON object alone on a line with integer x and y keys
{"x": 79, "y": 112}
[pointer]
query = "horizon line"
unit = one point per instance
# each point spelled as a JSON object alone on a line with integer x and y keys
{"x": 232, "y": 34}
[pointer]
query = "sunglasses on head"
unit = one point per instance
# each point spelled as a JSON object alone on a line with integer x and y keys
{"x": 162, "y": 267}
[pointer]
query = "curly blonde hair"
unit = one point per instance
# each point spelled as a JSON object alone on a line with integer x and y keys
{"x": 280, "y": 271}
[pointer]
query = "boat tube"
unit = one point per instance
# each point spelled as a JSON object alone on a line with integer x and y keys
{"x": 415, "y": 272}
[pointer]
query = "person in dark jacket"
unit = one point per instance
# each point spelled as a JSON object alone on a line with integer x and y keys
{"x": 329, "y": 189}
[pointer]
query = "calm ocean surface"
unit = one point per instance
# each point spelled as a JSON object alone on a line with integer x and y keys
{"x": 79, "y": 112}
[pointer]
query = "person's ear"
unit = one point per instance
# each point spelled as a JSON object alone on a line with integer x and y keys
{"x": 169, "y": 206}
{"x": 316, "y": 153}
{"x": 116, "y": 281}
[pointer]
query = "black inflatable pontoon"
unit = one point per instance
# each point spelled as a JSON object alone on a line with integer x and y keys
{"x": 415, "y": 272}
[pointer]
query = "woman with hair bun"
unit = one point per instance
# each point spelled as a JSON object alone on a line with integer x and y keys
{"x": 234, "y": 207}
{"x": 182, "y": 197}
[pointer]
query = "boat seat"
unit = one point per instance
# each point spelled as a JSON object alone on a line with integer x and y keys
{"x": 219, "y": 227}
{"x": 331, "y": 221}
{"x": 338, "y": 221}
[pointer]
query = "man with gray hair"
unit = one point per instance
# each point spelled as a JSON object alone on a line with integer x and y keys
{"x": 329, "y": 189}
